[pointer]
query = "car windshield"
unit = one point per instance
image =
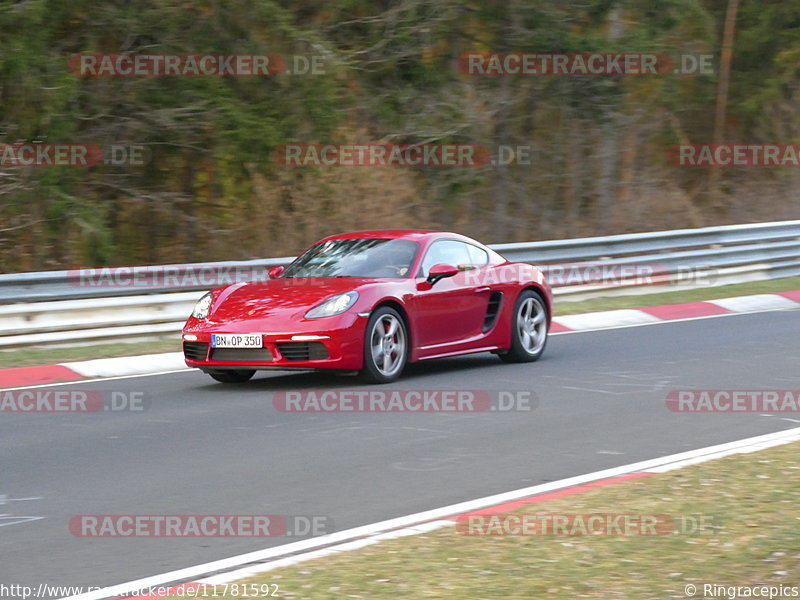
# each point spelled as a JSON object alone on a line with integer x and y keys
{"x": 356, "y": 257}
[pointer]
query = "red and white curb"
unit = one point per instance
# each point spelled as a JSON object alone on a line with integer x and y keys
{"x": 92, "y": 369}
{"x": 253, "y": 563}
{"x": 148, "y": 364}
{"x": 672, "y": 312}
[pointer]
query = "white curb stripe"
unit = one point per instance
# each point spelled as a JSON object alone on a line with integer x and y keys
{"x": 755, "y": 303}
{"x": 605, "y": 319}
{"x": 128, "y": 365}
{"x": 756, "y": 447}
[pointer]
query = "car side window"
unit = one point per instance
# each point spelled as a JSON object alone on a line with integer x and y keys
{"x": 448, "y": 252}
{"x": 477, "y": 256}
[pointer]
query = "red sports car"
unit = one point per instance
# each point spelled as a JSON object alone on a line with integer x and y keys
{"x": 372, "y": 301}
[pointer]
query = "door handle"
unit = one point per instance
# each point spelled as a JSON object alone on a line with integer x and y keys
{"x": 480, "y": 290}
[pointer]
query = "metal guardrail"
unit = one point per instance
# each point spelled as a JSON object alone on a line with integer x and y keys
{"x": 554, "y": 251}
{"x": 56, "y": 307}
{"x": 64, "y": 285}
{"x": 743, "y": 244}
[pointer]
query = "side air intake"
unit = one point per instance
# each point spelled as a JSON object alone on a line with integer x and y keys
{"x": 492, "y": 310}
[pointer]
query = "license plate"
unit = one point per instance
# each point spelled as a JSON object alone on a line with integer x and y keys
{"x": 236, "y": 340}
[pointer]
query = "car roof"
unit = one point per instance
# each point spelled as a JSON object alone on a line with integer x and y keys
{"x": 405, "y": 234}
{"x": 421, "y": 236}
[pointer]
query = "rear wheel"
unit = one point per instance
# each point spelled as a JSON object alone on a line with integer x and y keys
{"x": 234, "y": 376}
{"x": 528, "y": 329}
{"x": 385, "y": 346}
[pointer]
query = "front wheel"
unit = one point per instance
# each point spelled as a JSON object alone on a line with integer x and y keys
{"x": 234, "y": 376}
{"x": 528, "y": 329}
{"x": 385, "y": 346}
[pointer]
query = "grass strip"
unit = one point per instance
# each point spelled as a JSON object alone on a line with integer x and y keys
{"x": 751, "y": 536}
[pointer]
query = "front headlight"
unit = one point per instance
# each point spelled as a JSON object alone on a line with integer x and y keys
{"x": 203, "y": 306}
{"x": 335, "y": 305}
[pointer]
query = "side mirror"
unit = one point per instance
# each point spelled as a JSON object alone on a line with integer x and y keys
{"x": 275, "y": 272}
{"x": 440, "y": 271}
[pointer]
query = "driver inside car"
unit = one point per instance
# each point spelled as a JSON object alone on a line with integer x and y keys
{"x": 389, "y": 260}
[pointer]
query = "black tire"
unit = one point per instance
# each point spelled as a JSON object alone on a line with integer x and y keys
{"x": 398, "y": 346}
{"x": 236, "y": 376}
{"x": 527, "y": 349}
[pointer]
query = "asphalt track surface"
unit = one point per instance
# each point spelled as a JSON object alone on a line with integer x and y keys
{"x": 209, "y": 448}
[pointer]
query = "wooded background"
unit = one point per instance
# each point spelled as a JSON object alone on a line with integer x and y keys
{"x": 211, "y": 189}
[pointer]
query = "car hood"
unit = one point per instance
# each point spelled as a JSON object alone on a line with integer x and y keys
{"x": 282, "y": 297}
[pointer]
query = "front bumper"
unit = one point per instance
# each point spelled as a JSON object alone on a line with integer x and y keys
{"x": 330, "y": 343}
